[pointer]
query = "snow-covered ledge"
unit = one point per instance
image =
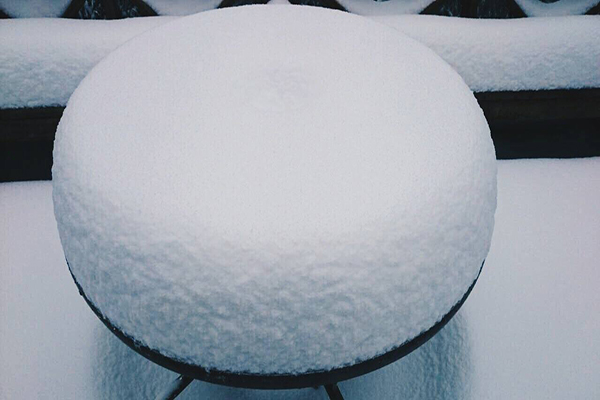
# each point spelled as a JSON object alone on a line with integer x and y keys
{"x": 43, "y": 60}
{"x": 512, "y": 54}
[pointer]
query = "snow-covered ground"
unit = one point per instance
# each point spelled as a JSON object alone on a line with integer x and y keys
{"x": 528, "y": 330}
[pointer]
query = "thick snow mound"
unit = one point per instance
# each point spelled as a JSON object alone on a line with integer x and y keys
{"x": 537, "y": 8}
{"x": 43, "y": 60}
{"x": 266, "y": 202}
{"x": 390, "y": 7}
{"x": 515, "y": 54}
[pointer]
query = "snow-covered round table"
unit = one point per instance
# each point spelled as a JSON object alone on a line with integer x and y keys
{"x": 274, "y": 196}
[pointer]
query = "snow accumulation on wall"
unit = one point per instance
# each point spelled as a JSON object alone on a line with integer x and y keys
{"x": 182, "y": 7}
{"x": 512, "y": 54}
{"x": 537, "y": 8}
{"x": 34, "y": 8}
{"x": 43, "y": 60}
{"x": 371, "y": 7}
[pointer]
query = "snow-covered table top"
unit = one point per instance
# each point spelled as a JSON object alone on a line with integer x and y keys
{"x": 528, "y": 331}
{"x": 294, "y": 185}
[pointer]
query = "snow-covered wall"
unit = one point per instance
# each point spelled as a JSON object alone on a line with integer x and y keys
{"x": 43, "y": 60}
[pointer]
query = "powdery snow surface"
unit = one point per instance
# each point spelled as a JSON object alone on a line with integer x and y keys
{"x": 43, "y": 60}
{"x": 182, "y": 7}
{"x": 528, "y": 331}
{"x": 256, "y": 202}
{"x": 512, "y": 54}
{"x": 537, "y": 8}
{"x": 389, "y": 7}
{"x": 34, "y": 8}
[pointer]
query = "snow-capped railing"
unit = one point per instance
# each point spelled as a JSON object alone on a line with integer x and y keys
{"x": 43, "y": 60}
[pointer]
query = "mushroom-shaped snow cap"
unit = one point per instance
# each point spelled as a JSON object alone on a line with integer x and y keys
{"x": 274, "y": 189}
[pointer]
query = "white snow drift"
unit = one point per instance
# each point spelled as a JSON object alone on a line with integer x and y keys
{"x": 257, "y": 200}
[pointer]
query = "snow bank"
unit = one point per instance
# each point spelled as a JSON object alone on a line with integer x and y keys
{"x": 264, "y": 202}
{"x": 517, "y": 54}
{"x": 43, "y": 60}
{"x": 391, "y": 7}
{"x": 34, "y": 8}
{"x": 182, "y": 7}
{"x": 537, "y": 8}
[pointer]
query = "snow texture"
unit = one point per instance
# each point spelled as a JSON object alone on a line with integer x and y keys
{"x": 34, "y": 8}
{"x": 43, "y": 60}
{"x": 529, "y": 329}
{"x": 537, "y": 8}
{"x": 182, "y": 7}
{"x": 512, "y": 54}
{"x": 267, "y": 203}
{"x": 388, "y": 7}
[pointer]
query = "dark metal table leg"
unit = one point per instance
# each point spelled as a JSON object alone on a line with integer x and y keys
{"x": 333, "y": 391}
{"x": 174, "y": 388}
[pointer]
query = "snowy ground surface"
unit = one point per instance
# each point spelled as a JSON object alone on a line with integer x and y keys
{"x": 528, "y": 330}
{"x": 43, "y": 60}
